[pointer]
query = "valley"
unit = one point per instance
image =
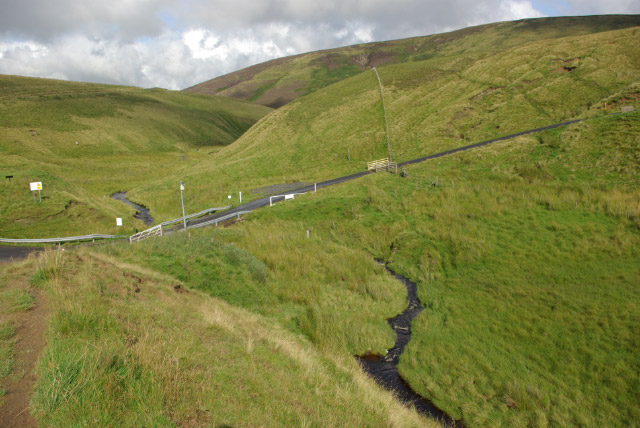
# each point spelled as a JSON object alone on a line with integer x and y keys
{"x": 524, "y": 252}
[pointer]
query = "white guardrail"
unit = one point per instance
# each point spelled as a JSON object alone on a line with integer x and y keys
{"x": 286, "y": 197}
{"x": 198, "y": 214}
{"x": 155, "y": 230}
{"x": 218, "y": 220}
{"x": 158, "y": 230}
{"x": 56, "y": 240}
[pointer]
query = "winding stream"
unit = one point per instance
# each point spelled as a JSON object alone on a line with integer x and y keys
{"x": 384, "y": 369}
{"x": 142, "y": 213}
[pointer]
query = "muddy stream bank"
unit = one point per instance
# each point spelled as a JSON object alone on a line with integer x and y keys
{"x": 143, "y": 212}
{"x": 384, "y": 369}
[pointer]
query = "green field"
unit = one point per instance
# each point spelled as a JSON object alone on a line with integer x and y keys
{"x": 432, "y": 105}
{"x": 526, "y": 258}
{"x": 125, "y": 137}
{"x": 132, "y": 346}
{"x": 526, "y": 252}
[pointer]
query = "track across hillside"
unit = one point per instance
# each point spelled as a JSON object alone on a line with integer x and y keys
{"x": 261, "y": 202}
{"x": 16, "y": 252}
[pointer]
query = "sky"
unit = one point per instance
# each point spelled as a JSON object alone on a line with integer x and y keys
{"x": 175, "y": 44}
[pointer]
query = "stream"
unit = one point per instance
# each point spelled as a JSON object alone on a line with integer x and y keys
{"x": 384, "y": 369}
{"x": 142, "y": 211}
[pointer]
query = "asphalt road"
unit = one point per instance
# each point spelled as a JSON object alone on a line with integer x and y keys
{"x": 9, "y": 252}
{"x": 15, "y": 252}
{"x": 261, "y": 202}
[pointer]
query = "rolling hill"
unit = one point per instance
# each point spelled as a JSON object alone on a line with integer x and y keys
{"x": 432, "y": 105}
{"x": 87, "y": 141}
{"x": 280, "y": 81}
{"x": 525, "y": 253}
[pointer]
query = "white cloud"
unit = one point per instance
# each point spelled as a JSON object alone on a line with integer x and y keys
{"x": 595, "y": 7}
{"x": 175, "y": 44}
{"x": 519, "y": 10}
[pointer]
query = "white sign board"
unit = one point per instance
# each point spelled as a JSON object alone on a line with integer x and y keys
{"x": 37, "y": 185}
{"x": 118, "y": 221}
{"x": 288, "y": 197}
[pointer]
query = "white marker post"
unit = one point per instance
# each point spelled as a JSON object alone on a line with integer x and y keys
{"x": 240, "y": 193}
{"x": 184, "y": 218}
{"x": 36, "y": 185}
{"x": 118, "y": 221}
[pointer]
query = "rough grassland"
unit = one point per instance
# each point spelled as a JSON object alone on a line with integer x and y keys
{"x": 278, "y": 82}
{"x": 130, "y": 346}
{"x": 432, "y": 105}
{"x": 126, "y": 136}
{"x": 526, "y": 256}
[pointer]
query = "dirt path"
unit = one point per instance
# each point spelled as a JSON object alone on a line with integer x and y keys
{"x": 29, "y": 343}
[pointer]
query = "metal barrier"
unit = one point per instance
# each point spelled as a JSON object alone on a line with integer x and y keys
{"x": 198, "y": 214}
{"x": 287, "y": 196}
{"x": 219, "y": 220}
{"x": 56, "y": 240}
{"x": 158, "y": 230}
{"x": 153, "y": 231}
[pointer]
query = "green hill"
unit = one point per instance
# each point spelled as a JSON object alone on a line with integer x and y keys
{"x": 432, "y": 105}
{"x": 525, "y": 254}
{"x": 87, "y": 141}
{"x": 280, "y": 81}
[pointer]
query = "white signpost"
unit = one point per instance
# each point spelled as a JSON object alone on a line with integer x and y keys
{"x": 36, "y": 185}
{"x": 118, "y": 221}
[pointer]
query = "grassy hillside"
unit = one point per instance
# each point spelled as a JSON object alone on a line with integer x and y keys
{"x": 87, "y": 141}
{"x": 432, "y": 105}
{"x": 133, "y": 346}
{"x": 526, "y": 255}
{"x": 526, "y": 258}
{"x": 278, "y": 82}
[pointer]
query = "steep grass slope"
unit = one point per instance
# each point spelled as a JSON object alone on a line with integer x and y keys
{"x": 432, "y": 105}
{"x": 87, "y": 141}
{"x": 278, "y": 82}
{"x": 133, "y": 346}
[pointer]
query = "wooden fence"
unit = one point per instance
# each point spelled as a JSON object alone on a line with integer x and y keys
{"x": 382, "y": 164}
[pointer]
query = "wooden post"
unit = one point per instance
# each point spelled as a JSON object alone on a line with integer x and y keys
{"x": 349, "y": 154}
{"x": 307, "y": 233}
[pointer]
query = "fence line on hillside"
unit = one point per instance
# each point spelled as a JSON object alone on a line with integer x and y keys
{"x": 384, "y": 110}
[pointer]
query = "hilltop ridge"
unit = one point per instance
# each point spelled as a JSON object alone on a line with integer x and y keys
{"x": 279, "y": 81}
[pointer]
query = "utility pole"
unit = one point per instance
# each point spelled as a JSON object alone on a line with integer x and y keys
{"x": 184, "y": 218}
{"x": 384, "y": 110}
